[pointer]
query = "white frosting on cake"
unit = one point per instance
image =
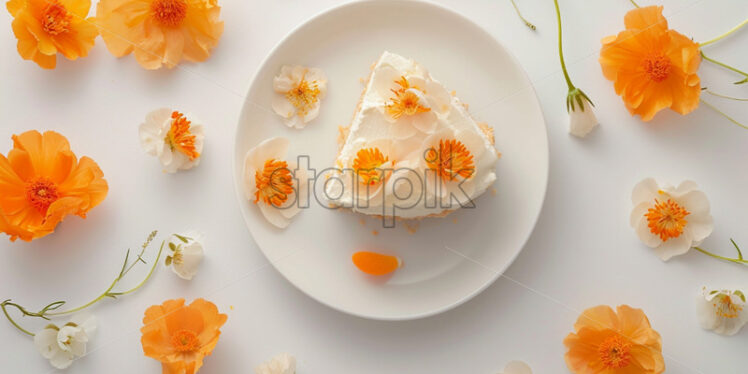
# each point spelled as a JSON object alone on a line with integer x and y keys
{"x": 405, "y": 141}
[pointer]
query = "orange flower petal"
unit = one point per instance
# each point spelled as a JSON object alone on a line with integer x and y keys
{"x": 649, "y": 17}
{"x": 375, "y": 263}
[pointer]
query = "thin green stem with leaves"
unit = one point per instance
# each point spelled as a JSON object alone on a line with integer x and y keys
{"x": 738, "y": 260}
{"x": 725, "y": 96}
{"x": 574, "y": 96}
{"x": 49, "y": 310}
{"x": 732, "y": 30}
{"x": 728, "y": 67}
{"x": 519, "y": 14}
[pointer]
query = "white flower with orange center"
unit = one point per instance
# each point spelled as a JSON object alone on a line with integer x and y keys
{"x": 517, "y": 367}
{"x": 369, "y": 165}
{"x": 412, "y": 103}
{"x": 283, "y": 363}
{"x": 722, "y": 311}
{"x": 670, "y": 219}
{"x": 186, "y": 254}
{"x": 172, "y": 137}
{"x": 299, "y": 91}
{"x": 273, "y": 183}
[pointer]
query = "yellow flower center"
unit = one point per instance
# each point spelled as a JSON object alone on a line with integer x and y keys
{"x": 55, "y": 18}
{"x": 657, "y": 66}
{"x": 304, "y": 96}
{"x": 184, "y": 341}
{"x": 615, "y": 352}
{"x": 366, "y": 163}
{"x": 405, "y": 101}
{"x": 725, "y": 308}
{"x": 274, "y": 183}
{"x": 452, "y": 159}
{"x": 41, "y": 193}
{"x": 180, "y": 138}
{"x": 169, "y": 12}
{"x": 666, "y": 219}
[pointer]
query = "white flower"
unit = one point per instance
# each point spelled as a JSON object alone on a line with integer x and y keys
{"x": 670, "y": 219}
{"x": 722, "y": 311}
{"x": 60, "y": 345}
{"x": 187, "y": 254}
{"x": 272, "y": 183}
{"x": 517, "y": 367}
{"x": 283, "y": 363}
{"x": 581, "y": 122}
{"x": 298, "y": 92}
{"x": 176, "y": 139}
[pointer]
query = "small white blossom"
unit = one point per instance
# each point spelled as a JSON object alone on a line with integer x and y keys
{"x": 186, "y": 256}
{"x": 722, "y": 311}
{"x": 582, "y": 120}
{"x": 283, "y": 363}
{"x": 517, "y": 367}
{"x": 61, "y": 345}
{"x": 298, "y": 92}
{"x": 176, "y": 139}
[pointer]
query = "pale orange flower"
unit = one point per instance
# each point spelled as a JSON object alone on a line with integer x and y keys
{"x": 42, "y": 182}
{"x": 652, "y": 67}
{"x": 180, "y": 336}
{"x": 614, "y": 342}
{"x": 47, "y": 27}
{"x": 160, "y": 32}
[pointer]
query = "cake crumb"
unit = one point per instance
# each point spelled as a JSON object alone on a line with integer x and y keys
{"x": 374, "y": 232}
{"x": 362, "y": 222}
{"x": 412, "y": 228}
{"x": 454, "y": 220}
{"x": 362, "y": 80}
{"x": 454, "y": 93}
{"x": 493, "y": 192}
{"x": 231, "y": 307}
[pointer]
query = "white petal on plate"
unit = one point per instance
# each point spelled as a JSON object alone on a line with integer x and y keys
{"x": 273, "y": 148}
{"x": 315, "y": 74}
{"x": 311, "y": 114}
{"x": 645, "y": 234}
{"x": 297, "y": 73}
{"x": 645, "y": 190}
{"x": 273, "y": 215}
{"x": 46, "y": 342}
{"x": 283, "y": 107}
{"x": 674, "y": 247}
{"x": 151, "y": 131}
{"x": 284, "y": 82}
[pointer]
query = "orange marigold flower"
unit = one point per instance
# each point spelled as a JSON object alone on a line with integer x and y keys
{"x": 407, "y": 100}
{"x": 47, "y": 27}
{"x": 652, "y": 67}
{"x": 42, "y": 182}
{"x": 614, "y": 342}
{"x": 160, "y": 32}
{"x": 450, "y": 160}
{"x": 180, "y": 336}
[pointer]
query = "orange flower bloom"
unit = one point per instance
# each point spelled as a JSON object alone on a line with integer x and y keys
{"x": 181, "y": 336}
{"x": 614, "y": 342}
{"x": 161, "y": 32}
{"x": 652, "y": 67}
{"x": 41, "y": 182}
{"x": 45, "y": 27}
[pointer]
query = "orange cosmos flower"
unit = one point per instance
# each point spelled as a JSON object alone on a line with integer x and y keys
{"x": 366, "y": 163}
{"x": 42, "y": 182}
{"x": 652, "y": 67}
{"x": 614, "y": 342}
{"x": 407, "y": 100}
{"x": 47, "y": 27}
{"x": 160, "y": 32}
{"x": 452, "y": 159}
{"x": 181, "y": 336}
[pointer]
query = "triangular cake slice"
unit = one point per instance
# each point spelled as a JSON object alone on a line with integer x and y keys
{"x": 412, "y": 149}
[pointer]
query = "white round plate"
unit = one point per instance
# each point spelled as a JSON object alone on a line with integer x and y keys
{"x": 446, "y": 261}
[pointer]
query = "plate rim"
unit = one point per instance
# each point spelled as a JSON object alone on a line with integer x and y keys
{"x": 238, "y": 190}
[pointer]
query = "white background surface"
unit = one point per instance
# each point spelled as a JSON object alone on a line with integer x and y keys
{"x": 581, "y": 254}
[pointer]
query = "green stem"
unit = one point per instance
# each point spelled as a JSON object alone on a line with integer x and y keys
{"x": 725, "y": 96}
{"x": 561, "y": 49}
{"x": 153, "y": 267}
{"x": 722, "y": 64}
{"x": 635, "y": 4}
{"x": 527, "y": 23}
{"x": 733, "y": 120}
{"x": 3, "y": 305}
{"x": 732, "y": 30}
{"x": 735, "y": 260}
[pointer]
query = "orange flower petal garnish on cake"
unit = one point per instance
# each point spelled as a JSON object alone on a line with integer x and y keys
{"x": 180, "y": 336}
{"x": 366, "y": 163}
{"x": 47, "y": 27}
{"x": 609, "y": 342}
{"x": 405, "y": 102}
{"x": 179, "y": 136}
{"x": 274, "y": 183}
{"x": 450, "y": 160}
{"x": 653, "y": 68}
{"x": 667, "y": 219}
{"x": 160, "y": 32}
{"x": 375, "y": 263}
{"x": 42, "y": 182}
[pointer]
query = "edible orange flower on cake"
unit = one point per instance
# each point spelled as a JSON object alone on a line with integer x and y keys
{"x": 45, "y": 28}
{"x": 180, "y": 336}
{"x": 42, "y": 182}
{"x": 652, "y": 67}
{"x": 614, "y": 342}
{"x": 160, "y": 32}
